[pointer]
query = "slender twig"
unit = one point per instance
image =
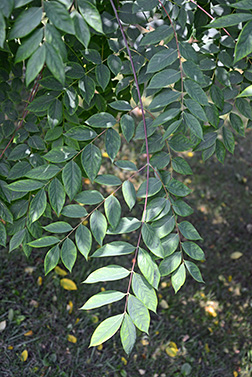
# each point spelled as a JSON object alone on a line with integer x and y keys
{"x": 179, "y": 54}
{"x": 146, "y": 144}
{"x": 209, "y": 15}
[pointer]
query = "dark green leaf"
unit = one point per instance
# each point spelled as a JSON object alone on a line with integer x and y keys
{"x": 165, "y": 117}
{"x": 126, "y": 165}
{"x": 116, "y": 248}
{"x": 58, "y": 227}
{"x": 27, "y": 21}
{"x": 170, "y": 263}
{"x": 230, "y": 20}
{"x": 120, "y": 105}
{"x": 154, "y": 208}
{"x": 37, "y": 206}
{"x": 102, "y": 74}
{"x": 193, "y": 250}
{"x": 101, "y": 299}
{"x": 114, "y": 63}
{"x": 55, "y": 63}
{"x": 217, "y": 96}
{"x": 181, "y": 166}
{"x": 144, "y": 292}
{"x": 244, "y": 107}
{"x": 74, "y": 211}
{"x": 71, "y": 176}
{"x": 101, "y": 120}
{"x": 164, "y": 78}
{"x": 87, "y": 88}
{"x": 112, "y": 143}
{"x": 82, "y": 32}
{"x": 178, "y": 278}
{"x": 195, "y": 108}
{"x": 128, "y": 127}
{"x": 128, "y": 334}
{"x": 16, "y": 240}
{"x": 60, "y": 154}
{"x": 193, "y": 71}
{"x": 81, "y": 133}
{"x": 5, "y": 213}
{"x": 139, "y": 313}
{"x": 91, "y": 159}
{"x": 68, "y": 254}
{"x": 90, "y": 14}
{"x": 163, "y": 226}
{"x": 129, "y": 194}
{"x": 35, "y": 64}
{"x": 107, "y": 328}
{"x": 178, "y": 188}
{"x": 193, "y": 125}
{"x": 83, "y": 240}
{"x": 162, "y": 59}
{"x": 220, "y": 151}
{"x": 44, "y": 242}
{"x": 237, "y": 124}
{"x": 148, "y": 267}
{"x": 182, "y": 209}
{"x": 188, "y": 231}
{"x": 55, "y": 113}
{"x": 207, "y": 142}
{"x": 29, "y": 46}
{"x": 59, "y": 16}
{"x": 160, "y": 33}
{"x": 155, "y": 186}
{"x": 57, "y": 195}
{"x": 98, "y": 225}
{"x": 170, "y": 244}
{"x": 228, "y": 139}
{"x": 25, "y": 185}
{"x": 152, "y": 241}
{"x": 194, "y": 271}
{"x": 126, "y": 225}
{"x": 108, "y": 273}
{"x": 164, "y": 98}
{"x": 195, "y": 92}
{"x": 3, "y": 235}
{"x": 108, "y": 180}
{"x": 51, "y": 259}
{"x": 112, "y": 210}
{"x": 89, "y": 197}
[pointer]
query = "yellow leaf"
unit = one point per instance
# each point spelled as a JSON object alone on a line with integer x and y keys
{"x": 68, "y": 284}
{"x": 70, "y": 307}
{"x": 236, "y": 255}
{"x": 60, "y": 271}
{"x": 100, "y": 347}
{"x": 125, "y": 362}
{"x": 10, "y": 347}
{"x": 230, "y": 278}
{"x": 85, "y": 222}
{"x": 95, "y": 319}
{"x": 87, "y": 181}
{"x": 77, "y": 321}
{"x": 29, "y": 333}
{"x": 105, "y": 154}
{"x": 24, "y": 355}
{"x": 39, "y": 281}
{"x": 103, "y": 289}
{"x": 235, "y": 373}
{"x": 145, "y": 342}
{"x": 207, "y": 349}
{"x": 210, "y": 310}
{"x": 190, "y": 154}
{"x": 171, "y": 349}
{"x": 71, "y": 338}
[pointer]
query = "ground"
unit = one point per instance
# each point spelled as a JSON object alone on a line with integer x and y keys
{"x": 203, "y": 331}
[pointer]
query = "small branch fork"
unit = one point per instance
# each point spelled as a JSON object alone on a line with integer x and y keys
{"x": 147, "y": 148}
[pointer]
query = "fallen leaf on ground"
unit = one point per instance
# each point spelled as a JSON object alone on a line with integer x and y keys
{"x": 24, "y": 355}
{"x": 171, "y": 349}
{"x": 2, "y": 325}
{"x": 29, "y": 333}
{"x": 60, "y": 271}
{"x": 68, "y": 284}
{"x": 71, "y": 338}
{"x": 236, "y": 255}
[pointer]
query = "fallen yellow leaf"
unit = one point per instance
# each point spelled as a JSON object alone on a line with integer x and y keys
{"x": 210, "y": 310}
{"x": 236, "y": 255}
{"x": 77, "y": 321}
{"x": 105, "y": 154}
{"x": 71, "y": 338}
{"x": 60, "y": 271}
{"x": 230, "y": 278}
{"x": 235, "y": 373}
{"x": 95, "y": 319}
{"x": 70, "y": 307}
{"x": 29, "y": 333}
{"x": 10, "y": 347}
{"x": 24, "y": 355}
{"x": 207, "y": 349}
{"x": 85, "y": 222}
{"x": 68, "y": 284}
{"x": 190, "y": 154}
{"x": 100, "y": 347}
{"x": 164, "y": 304}
{"x": 39, "y": 281}
{"x": 145, "y": 342}
{"x": 125, "y": 362}
{"x": 171, "y": 349}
